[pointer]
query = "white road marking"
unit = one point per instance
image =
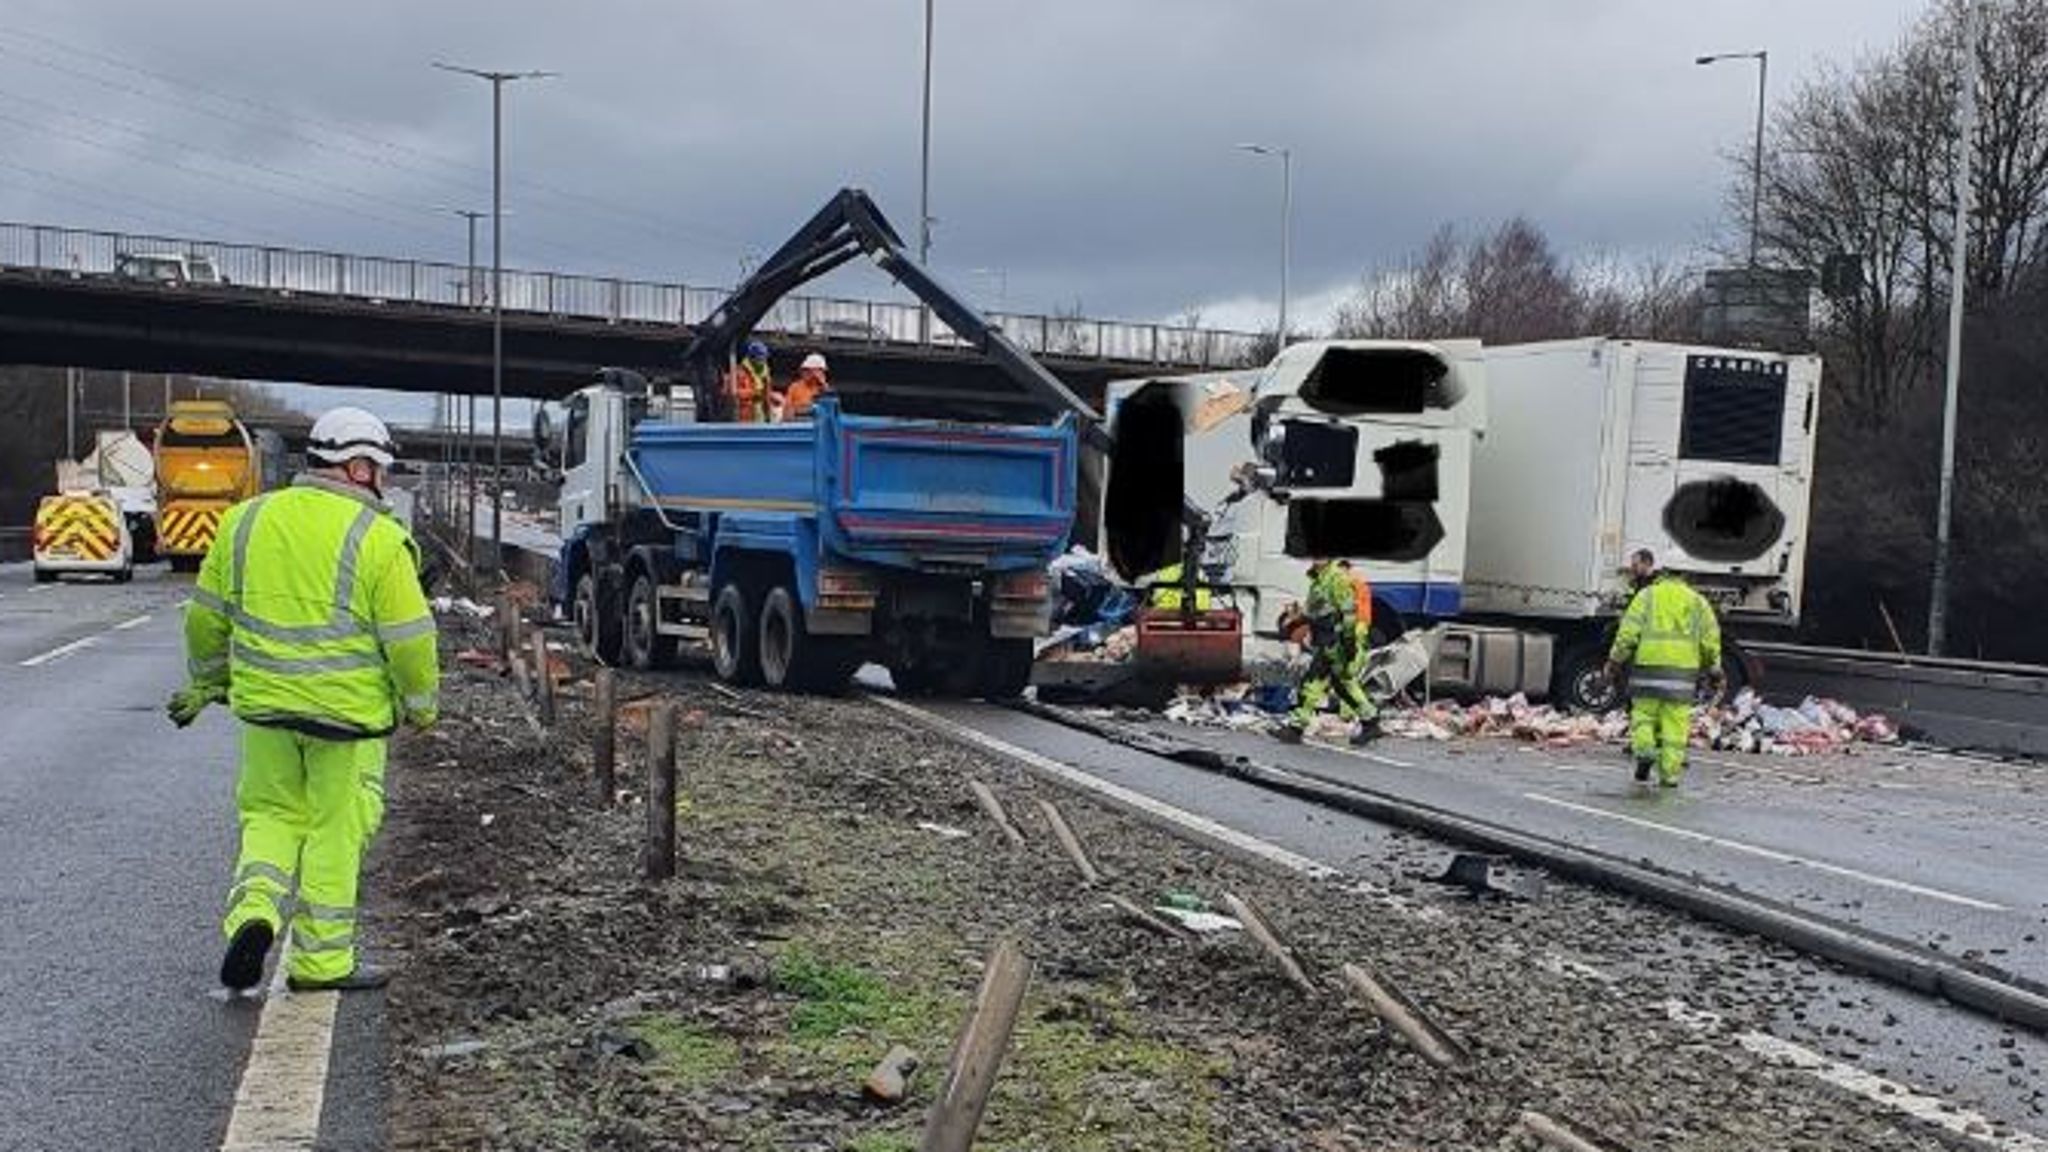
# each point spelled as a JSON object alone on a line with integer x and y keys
{"x": 43, "y": 588}
{"x": 1890, "y": 1095}
{"x": 1740, "y": 766}
{"x": 1771, "y": 854}
{"x": 138, "y": 622}
{"x": 284, "y": 1084}
{"x": 60, "y": 651}
{"x": 1374, "y": 757}
{"x": 1200, "y": 826}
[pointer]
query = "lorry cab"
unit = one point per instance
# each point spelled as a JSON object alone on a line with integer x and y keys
{"x": 1363, "y": 451}
{"x": 82, "y": 532}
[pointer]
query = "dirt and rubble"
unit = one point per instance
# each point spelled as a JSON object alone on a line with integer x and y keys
{"x": 839, "y": 890}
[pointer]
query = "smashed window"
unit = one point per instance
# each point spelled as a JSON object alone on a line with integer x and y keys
{"x": 1393, "y": 530}
{"x": 1408, "y": 470}
{"x": 1141, "y": 512}
{"x": 1366, "y": 381}
{"x": 1314, "y": 454}
{"x": 1725, "y": 521}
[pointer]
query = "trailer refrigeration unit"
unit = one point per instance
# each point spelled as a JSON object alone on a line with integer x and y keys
{"x": 1595, "y": 448}
{"x": 806, "y": 548}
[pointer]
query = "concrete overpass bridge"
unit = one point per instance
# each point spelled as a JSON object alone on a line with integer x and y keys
{"x": 410, "y": 325}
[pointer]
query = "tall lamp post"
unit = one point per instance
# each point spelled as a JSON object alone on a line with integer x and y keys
{"x": 1756, "y": 160}
{"x": 468, "y": 440}
{"x": 497, "y": 81}
{"x": 1958, "y": 274}
{"x": 924, "y": 179}
{"x": 1286, "y": 156}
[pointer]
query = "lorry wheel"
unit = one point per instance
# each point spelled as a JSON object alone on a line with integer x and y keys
{"x": 1579, "y": 683}
{"x": 45, "y": 576}
{"x": 788, "y": 655}
{"x": 185, "y": 563}
{"x": 644, "y": 646}
{"x": 733, "y": 636}
{"x": 124, "y": 575}
{"x": 1006, "y": 668}
{"x": 600, "y": 632}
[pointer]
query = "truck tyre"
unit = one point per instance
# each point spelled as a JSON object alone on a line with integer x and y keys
{"x": 1006, "y": 668}
{"x": 44, "y": 576}
{"x": 601, "y": 633}
{"x": 125, "y": 575}
{"x": 185, "y": 563}
{"x": 791, "y": 658}
{"x": 1578, "y": 685}
{"x": 734, "y": 655}
{"x": 644, "y": 646}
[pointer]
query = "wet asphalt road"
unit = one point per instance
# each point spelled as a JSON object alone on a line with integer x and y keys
{"x": 117, "y": 835}
{"x": 1923, "y": 1042}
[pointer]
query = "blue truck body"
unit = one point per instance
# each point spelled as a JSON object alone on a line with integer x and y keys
{"x": 919, "y": 544}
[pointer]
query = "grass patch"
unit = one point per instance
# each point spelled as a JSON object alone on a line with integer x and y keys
{"x": 685, "y": 1054}
{"x": 835, "y": 997}
{"x": 883, "y": 1142}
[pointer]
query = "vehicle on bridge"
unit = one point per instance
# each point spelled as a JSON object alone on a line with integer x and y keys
{"x": 808, "y": 548}
{"x": 167, "y": 268}
{"x": 206, "y": 461}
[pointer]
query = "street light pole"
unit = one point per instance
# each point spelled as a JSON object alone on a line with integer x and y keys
{"x": 1756, "y": 161}
{"x": 468, "y": 453}
{"x": 497, "y": 81}
{"x": 1286, "y": 156}
{"x": 1958, "y": 273}
{"x": 924, "y": 179}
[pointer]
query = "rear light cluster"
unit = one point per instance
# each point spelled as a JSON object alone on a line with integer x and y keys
{"x": 847, "y": 589}
{"x": 1022, "y": 586}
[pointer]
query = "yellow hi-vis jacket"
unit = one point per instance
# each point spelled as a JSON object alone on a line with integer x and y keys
{"x": 308, "y": 615}
{"x": 1165, "y": 592}
{"x": 1670, "y": 635}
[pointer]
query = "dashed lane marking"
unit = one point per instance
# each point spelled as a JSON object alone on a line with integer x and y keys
{"x": 1891, "y": 1095}
{"x": 1372, "y": 757}
{"x": 137, "y": 622}
{"x": 1199, "y": 826}
{"x": 60, "y": 651}
{"x": 1771, "y": 854}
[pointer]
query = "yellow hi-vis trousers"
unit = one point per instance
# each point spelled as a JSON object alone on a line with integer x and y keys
{"x": 309, "y": 808}
{"x": 1658, "y": 730}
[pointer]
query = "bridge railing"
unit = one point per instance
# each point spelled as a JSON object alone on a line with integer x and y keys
{"x": 386, "y": 280}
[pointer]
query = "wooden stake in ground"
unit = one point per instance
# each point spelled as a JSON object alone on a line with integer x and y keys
{"x": 1062, "y": 832}
{"x": 661, "y": 792}
{"x": 604, "y": 739}
{"x": 1563, "y": 1137}
{"x": 1395, "y": 1010}
{"x": 1157, "y": 925}
{"x": 543, "y": 677}
{"x": 1263, "y": 933}
{"x": 508, "y": 627}
{"x": 978, "y": 1053}
{"x": 994, "y": 808}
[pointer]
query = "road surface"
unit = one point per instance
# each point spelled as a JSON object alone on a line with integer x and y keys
{"x": 117, "y": 836}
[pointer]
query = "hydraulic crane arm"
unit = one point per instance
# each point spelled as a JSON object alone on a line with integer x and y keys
{"x": 849, "y": 226}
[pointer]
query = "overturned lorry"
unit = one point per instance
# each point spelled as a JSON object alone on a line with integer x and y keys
{"x": 1498, "y": 491}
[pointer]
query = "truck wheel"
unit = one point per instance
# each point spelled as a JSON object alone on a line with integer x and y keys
{"x": 1579, "y": 684}
{"x": 1006, "y": 668}
{"x": 45, "y": 576}
{"x": 733, "y": 635}
{"x": 601, "y": 633}
{"x": 185, "y": 563}
{"x": 125, "y": 575}
{"x": 644, "y": 646}
{"x": 787, "y": 656}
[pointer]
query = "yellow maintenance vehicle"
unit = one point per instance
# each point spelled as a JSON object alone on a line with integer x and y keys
{"x": 206, "y": 461}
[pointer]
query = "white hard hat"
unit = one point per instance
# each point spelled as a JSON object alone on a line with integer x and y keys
{"x": 814, "y": 360}
{"x": 344, "y": 434}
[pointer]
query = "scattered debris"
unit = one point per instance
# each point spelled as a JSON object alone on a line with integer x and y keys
{"x": 890, "y": 1081}
{"x": 1199, "y": 922}
{"x": 943, "y": 831}
{"x": 445, "y": 605}
{"x": 1747, "y": 724}
{"x": 453, "y": 1049}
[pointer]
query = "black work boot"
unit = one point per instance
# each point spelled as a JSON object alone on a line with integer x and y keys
{"x": 1644, "y": 765}
{"x": 242, "y": 968}
{"x": 1366, "y": 732}
{"x": 365, "y": 978}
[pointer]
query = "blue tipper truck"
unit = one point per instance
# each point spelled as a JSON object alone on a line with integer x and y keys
{"x": 805, "y": 549}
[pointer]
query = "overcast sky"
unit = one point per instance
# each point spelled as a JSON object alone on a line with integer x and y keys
{"x": 1082, "y": 152}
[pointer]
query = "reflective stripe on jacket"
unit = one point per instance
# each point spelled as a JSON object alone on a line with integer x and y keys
{"x": 1669, "y": 635}
{"x": 308, "y": 614}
